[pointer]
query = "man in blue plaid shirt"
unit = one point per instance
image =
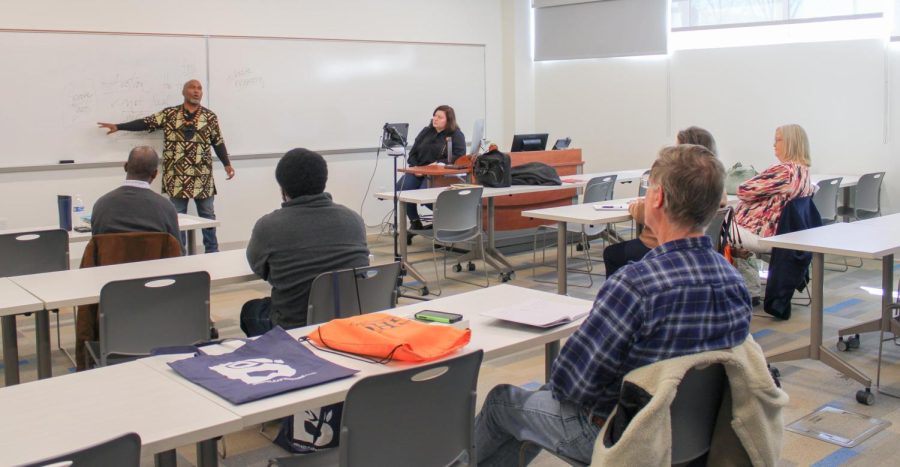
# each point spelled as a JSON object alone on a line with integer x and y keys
{"x": 681, "y": 298}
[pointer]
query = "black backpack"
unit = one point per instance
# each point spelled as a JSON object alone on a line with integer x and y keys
{"x": 493, "y": 169}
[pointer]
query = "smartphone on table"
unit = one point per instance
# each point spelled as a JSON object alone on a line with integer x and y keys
{"x": 438, "y": 316}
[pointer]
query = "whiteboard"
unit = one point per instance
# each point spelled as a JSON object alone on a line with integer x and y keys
{"x": 54, "y": 87}
{"x": 272, "y": 95}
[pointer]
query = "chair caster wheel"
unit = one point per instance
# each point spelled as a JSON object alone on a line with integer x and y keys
{"x": 506, "y": 276}
{"x": 457, "y": 268}
{"x": 865, "y": 396}
{"x": 424, "y": 291}
{"x": 842, "y": 345}
{"x": 853, "y": 342}
{"x": 579, "y": 247}
{"x": 471, "y": 266}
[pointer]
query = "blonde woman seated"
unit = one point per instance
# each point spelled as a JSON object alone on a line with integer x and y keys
{"x": 763, "y": 197}
{"x": 617, "y": 255}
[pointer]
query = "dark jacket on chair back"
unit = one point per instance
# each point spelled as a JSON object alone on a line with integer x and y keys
{"x": 789, "y": 269}
{"x": 118, "y": 248}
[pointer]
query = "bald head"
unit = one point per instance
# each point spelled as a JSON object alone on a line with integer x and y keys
{"x": 143, "y": 164}
{"x": 192, "y": 92}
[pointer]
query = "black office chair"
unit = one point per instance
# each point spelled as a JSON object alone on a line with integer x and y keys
{"x": 124, "y": 451}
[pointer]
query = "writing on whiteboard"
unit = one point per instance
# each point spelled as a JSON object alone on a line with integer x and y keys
{"x": 244, "y": 78}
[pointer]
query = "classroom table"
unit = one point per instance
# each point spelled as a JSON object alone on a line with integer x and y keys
{"x": 493, "y": 256}
{"x": 582, "y": 214}
{"x": 186, "y": 223}
{"x": 146, "y": 396}
{"x": 82, "y": 286}
{"x": 14, "y": 300}
{"x": 496, "y": 338}
{"x": 52, "y": 417}
{"x": 869, "y": 239}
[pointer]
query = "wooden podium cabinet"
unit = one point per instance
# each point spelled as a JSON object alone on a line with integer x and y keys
{"x": 508, "y": 209}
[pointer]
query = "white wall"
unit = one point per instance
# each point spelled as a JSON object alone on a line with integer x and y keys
{"x": 621, "y": 111}
{"x": 29, "y": 198}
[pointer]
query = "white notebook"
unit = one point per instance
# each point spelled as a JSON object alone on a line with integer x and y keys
{"x": 539, "y": 313}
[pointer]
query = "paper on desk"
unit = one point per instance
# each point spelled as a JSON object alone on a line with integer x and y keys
{"x": 539, "y": 313}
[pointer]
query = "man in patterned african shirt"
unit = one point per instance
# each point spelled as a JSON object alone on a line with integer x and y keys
{"x": 189, "y": 130}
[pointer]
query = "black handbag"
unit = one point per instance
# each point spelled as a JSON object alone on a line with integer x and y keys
{"x": 493, "y": 169}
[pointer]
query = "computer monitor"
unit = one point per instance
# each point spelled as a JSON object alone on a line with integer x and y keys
{"x": 562, "y": 143}
{"x": 535, "y": 142}
{"x": 477, "y": 136}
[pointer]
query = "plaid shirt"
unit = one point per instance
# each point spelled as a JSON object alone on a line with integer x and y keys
{"x": 681, "y": 298}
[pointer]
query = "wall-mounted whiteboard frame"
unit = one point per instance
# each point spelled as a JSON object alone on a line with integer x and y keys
{"x": 424, "y": 76}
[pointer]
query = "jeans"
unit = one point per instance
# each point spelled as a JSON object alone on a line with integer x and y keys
{"x": 512, "y": 415}
{"x": 618, "y": 255}
{"x": 411, "y": 182}
{"x": 204, "y": 210}
{"x": 255, "y": 319}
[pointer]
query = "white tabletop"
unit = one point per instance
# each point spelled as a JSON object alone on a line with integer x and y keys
{"x": 82, "y": 286}
{"x": 847, "y": 181}
{"x": 583, "y": 213}
{"x": 589, "y": 214}
{"x": 496, "y": 338}
{"x": 870, "y": 239}
{"x": 621, "y": 175}
{"x": 429, "y": 195}
{"x": 185, "y": 222}
{"x": 15, "y": 300}
{"x": 53, "y": 416}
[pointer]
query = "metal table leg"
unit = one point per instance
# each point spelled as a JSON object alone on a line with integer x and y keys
{"x": 887, "y": 320}
{"x": 165, "y": 459}
{"x": 10, "y": 350}
{"x": 401, "y": 243}
{"x": 192, "y": 242}
{"x": 207, "y": 454}
{"x": 42, "y": 335}
{"x": 815, "y": 350}
{"x": 551, "y": 349}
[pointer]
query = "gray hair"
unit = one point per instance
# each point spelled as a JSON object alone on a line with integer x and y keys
{"x": 692, "y": 179}
{"x": 142, "y": 163}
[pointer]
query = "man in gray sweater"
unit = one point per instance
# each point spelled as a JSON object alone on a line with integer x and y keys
{"x": 308, "y": 236}
{"x": 134, "y": 207}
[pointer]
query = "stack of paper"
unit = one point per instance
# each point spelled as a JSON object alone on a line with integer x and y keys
{"x": 539, "y": 313}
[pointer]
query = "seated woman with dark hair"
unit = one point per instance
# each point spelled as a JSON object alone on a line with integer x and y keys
{"x": 764, "y": 196}
{"x": 618, "y": 255}
{"x": 431, "y": 146}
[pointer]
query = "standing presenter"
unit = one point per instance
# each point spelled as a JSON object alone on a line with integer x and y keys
{"x": 189, "y": 130}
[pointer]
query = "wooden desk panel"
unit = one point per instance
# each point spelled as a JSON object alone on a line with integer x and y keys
{"x": 508, "y": 209}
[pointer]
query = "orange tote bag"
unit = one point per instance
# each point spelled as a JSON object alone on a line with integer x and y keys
{"x": 390, "y": 337}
